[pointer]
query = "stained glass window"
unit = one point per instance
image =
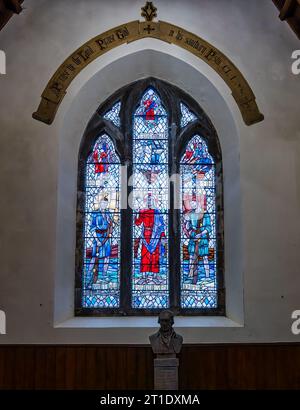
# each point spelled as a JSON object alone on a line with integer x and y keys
{"x": 186, "y": 115}
{"x": 198, "y": 227}
{"x": 150, "y": 204}
{"x": 162, "y": 245}
{"x": 113, "y": 114}
{"x": 101, "y": 273}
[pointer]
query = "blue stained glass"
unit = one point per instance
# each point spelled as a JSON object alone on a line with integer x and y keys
{"x": 198, "y": 227}
{"x": 101, "y": 271}
{"x": 113, "y": 115}
{"x": 186, "y": 115}
{"x": 150, "y": 204}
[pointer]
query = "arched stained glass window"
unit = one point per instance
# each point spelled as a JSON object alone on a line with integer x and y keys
{"x": 101, "y": 272}
{"x": 150, "y": 187}
{"x": 198, "y": 226}
{"x": 150, "y": 207}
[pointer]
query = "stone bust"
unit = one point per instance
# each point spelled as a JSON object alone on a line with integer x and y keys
{"x": 166, "y": 341}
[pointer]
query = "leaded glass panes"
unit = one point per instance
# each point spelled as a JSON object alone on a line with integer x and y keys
{"x": 198, "y": 227}
{"x": 124, "y": 265}
{"x": 101, "y": 271}
{"x": 113, "y": 114}
{"x": 186, "y": 115}
{"x": 150, "y": 204}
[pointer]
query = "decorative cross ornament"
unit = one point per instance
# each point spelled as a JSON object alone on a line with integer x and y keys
{"x": 149, "y": 11}
{"x": 149, "y": 29}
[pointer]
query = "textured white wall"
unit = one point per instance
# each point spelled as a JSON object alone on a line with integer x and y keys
{"x": 36, "y": 42}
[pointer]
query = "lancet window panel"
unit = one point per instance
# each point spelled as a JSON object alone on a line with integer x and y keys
{"x": 144, "y": 244}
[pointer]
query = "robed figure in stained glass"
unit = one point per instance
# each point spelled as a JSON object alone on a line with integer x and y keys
{"x": 101, "y": 159}
{"x": 150, "y": 198}
{"x": 101, "y": 229}
{"x": 197, "y": 227}
{"x": 152, "y": 237}
{"x": 101, "y": 226}
{"x": 198, "y": 266}
{"x": 197, "y": 155}
{"x": 149, "y": 113}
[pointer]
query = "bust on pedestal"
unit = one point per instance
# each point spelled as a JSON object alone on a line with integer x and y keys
{"x": 166, "y": 343}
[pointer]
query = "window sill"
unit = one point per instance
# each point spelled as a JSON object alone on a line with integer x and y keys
{"x": 146, "y": 322}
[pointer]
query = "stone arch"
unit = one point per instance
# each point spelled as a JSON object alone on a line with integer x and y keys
{"x": 56, "y": 88}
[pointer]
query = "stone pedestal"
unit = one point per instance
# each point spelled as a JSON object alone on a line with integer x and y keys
{"x": 166, "y": 373}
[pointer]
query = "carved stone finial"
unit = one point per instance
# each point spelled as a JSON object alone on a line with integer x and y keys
{"x": 149, "y": 11}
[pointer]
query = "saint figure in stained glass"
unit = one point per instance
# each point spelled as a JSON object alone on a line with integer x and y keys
{"x": 196, "y": 154}
{"x": 101, "y": 228}
{"x": 150, "y": 194}
{"x": 102, "y": 220}
{"x": 198, "y": 225}
{"x": 101, "y": 160}
{"x": 152, "y": 238}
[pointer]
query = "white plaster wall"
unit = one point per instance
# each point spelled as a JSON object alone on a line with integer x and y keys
{"x": 250, "y": 33}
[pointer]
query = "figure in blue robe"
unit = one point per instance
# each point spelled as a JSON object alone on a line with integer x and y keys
{"x": 198, "y": 228}
{"x": 101, "y": 228}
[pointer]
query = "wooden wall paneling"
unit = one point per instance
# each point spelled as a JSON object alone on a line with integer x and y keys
{"x": 231, "y": 366}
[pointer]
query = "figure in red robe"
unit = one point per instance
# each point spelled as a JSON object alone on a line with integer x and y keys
{"x": 153, "y": 238}
{"x": 150, "y": 105}
{"x": 101, "y": 159}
